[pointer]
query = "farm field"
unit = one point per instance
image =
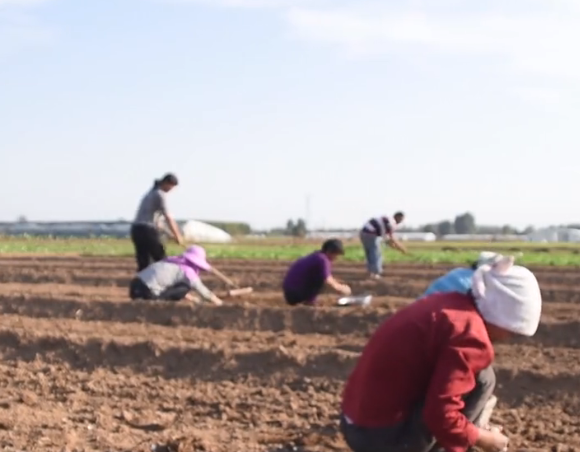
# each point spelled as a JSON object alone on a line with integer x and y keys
{"x": 84, "y": 368}
{"x": 284, "y": 248}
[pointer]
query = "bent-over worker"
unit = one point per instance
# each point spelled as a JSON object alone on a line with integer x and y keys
{"x": 173, "y": 278}
{"x": 424, "y": 381}
{"x": 372, "y": 235}
{"x": 307, "y": 276}
{"x": 145, "y": 228}
{"x": 459, "y": 279}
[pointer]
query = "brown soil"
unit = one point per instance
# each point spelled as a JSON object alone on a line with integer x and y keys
{"x": 84, "y": 368}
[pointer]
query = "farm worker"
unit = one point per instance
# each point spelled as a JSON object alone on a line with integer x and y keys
{"x": 144, "y": 230}
{"x": 372, "y": 235}
{"x": 459, "y": 279}
{"x": 307, "y": 276}
{"x": 434, "y": 389}
{"x": 173, "y": 278}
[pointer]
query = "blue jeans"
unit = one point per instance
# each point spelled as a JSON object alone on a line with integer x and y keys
{"x": 373, "y": 253}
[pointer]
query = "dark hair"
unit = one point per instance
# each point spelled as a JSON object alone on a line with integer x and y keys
{"x": 474, "y": 265}
{"x": 399, "y": 214}
{"x": 169, "y": 178}
{"x": 333, "y": 246}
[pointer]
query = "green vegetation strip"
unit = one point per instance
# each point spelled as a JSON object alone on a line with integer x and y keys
{"x": 458, "y": 254}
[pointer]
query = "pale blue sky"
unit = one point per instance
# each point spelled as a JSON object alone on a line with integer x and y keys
{"x": 432, "y": 107}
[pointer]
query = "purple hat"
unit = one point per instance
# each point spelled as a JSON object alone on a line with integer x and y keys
{"x": 196, "y": 255}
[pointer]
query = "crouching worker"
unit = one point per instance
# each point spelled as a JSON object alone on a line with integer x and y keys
{"x": 459, "y": 279}
{"x": 307, "y": 276}
{"x": 173, "y": 278}
{"x": 433, "y": 391}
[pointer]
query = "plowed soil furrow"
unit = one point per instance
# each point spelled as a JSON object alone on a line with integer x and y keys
{"x": 203, "y": 357}
{"x": 84, "y": 390}
{"x": 83, "y": 367}
{"x": 52, "y": 407}
{"x": 270, "y": 288}
{"x": 356, "y": 269}
{"x": 402, "y": 280}
{"x": 555, "y": 329}
{"x": 232, "y": 317}
{"x": 90, "y": 293}
{"x": 184, "y": 336}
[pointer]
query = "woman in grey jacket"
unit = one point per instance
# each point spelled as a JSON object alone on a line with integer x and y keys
{"x": 144, "y": 232}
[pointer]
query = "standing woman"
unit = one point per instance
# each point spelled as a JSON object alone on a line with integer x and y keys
{"x": 372, "y": 235}
{"x": 144, "y": 232}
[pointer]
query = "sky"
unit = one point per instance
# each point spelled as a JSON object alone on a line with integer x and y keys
{"x": 355, "y": 108}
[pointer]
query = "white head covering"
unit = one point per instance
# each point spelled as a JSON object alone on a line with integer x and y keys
{"x": 488, "y": 257}
{"x": 508, "y": 296}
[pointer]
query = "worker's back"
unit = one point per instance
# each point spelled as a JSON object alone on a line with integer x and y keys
{"x": 395, "y": 370}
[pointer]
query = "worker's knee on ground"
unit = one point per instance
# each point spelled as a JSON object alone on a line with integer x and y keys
{"x": 486, "y": 381}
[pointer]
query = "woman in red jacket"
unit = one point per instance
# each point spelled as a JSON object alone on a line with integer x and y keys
{"x": 434, "y": 390}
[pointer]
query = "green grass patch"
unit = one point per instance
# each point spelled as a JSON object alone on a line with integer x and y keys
{"x": 463, "y": 253}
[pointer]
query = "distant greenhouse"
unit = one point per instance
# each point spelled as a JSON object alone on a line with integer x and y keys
{"x": 194, "y": 231}
{"x": 484, "y": 238}
{"x": 347, "y": 235}
{"x": 67, "y": 229}
{"x": 323, "y": 235}
{"x": 197, "y": 231}
{"x": 554, "y": 234}
{"x": 416, "y": 236}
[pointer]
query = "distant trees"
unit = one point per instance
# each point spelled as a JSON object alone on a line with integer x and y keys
{"x": 507, "y": 229}
{"x": 296, "y": 228}
{"x": 462, "y": 224}
{"x": 445, "y": 227}
{"x": 465, "y": 224}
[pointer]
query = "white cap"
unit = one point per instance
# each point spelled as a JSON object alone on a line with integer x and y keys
{"x": 508, "y": 296}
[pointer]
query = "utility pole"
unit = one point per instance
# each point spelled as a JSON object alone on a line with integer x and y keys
{"x": 307, "y": 218}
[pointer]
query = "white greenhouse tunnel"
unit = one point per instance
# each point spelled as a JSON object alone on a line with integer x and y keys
{"x": 197, "y": 231}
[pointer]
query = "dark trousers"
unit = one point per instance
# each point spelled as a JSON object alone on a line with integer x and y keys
{"x": 412, "y": 435}
{"x": 139, "y": 291}
{"x": 294, "y": 297}
{"x": 148, "y": 246}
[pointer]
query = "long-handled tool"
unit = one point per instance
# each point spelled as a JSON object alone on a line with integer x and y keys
{"x": 237, "y": 290}
{"x": 223, "y": 277}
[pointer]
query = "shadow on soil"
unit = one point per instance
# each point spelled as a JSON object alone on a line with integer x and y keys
{"x": 148, "y": 358}
{"x": 301, "y": 320}
{"x": 214, "y": 364}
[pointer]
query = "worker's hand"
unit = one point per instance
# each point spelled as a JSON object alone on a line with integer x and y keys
{"x": 215, "y": 300}
{"x": 180, "y": 241}
{"x": 492, "y": 440}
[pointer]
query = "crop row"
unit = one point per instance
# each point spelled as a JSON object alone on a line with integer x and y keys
{"x": 418, "y": 252}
